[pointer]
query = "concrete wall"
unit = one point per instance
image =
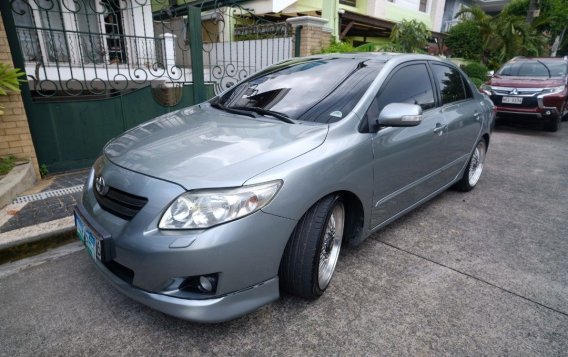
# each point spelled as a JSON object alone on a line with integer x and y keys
{"x": 15, "y": 137}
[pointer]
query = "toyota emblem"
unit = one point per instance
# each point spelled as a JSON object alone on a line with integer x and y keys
{"x": 100, "y": 185}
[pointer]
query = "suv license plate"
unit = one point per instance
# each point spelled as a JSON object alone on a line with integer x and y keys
{"x": 512, "y": 100}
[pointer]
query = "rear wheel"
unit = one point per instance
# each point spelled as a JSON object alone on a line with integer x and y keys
{"x": 474, "y": 168}
{"x": 313, "y": 249}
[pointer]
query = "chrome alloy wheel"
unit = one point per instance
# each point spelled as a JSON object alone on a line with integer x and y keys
{"x": 330, "y": 245}
{"x": 476, "y": 163}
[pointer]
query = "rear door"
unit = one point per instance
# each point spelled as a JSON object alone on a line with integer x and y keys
{"x": 463, "y": 115}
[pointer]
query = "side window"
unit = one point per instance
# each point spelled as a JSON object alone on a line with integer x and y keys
{"x": 410, "y": 84}
{"x": 451, "y": 84}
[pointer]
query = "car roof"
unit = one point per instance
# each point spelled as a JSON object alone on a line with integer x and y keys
{"x": 381, "y": 56}
{"x": 521, "y": 58}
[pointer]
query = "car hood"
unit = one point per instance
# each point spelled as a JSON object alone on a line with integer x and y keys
{"x": 526, "y": 82}
{"x": 202, "y": 147}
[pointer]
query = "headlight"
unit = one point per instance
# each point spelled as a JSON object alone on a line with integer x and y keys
{"x": 207, "y": 208}
{"x": 553, "y": 90}
{"x": 486, "y": 89}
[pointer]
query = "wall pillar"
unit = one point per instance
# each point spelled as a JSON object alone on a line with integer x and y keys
{"x": 168, "y": 50}
{"x": 15, "y": 137}
{"x": 314, "y": 37}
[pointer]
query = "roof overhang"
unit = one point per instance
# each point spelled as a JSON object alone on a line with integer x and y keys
{"x": 355, "y": 24}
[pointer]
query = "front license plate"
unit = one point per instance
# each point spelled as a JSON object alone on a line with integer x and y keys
{"x": 87, "y": 235}
{"x": 512, "y": 100}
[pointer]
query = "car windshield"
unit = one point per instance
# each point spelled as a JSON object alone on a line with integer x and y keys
{"x": 314, "y": 89}
{"x": 534, "y": 68}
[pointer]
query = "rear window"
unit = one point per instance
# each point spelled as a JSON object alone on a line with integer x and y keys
{"x": 534, "y": 68}
{"x": 322, "y": 90}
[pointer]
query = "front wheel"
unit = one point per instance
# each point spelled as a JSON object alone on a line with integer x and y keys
{"x": 474, "y": 168}
{"x": 313, "y": 249}
{"x": 552, "y": 125}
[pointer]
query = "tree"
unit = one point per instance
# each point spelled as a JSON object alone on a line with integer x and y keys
{"x": 411, "y": 36}
{"x": 464, "y": 40}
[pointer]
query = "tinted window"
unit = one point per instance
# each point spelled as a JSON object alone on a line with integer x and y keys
{"x": 410, "y": 84}
{"x": 342, "y": 100}
{"x": 293, "y": 87}
{"x": 450, "y": 83}
{"x": 534, "y": 68}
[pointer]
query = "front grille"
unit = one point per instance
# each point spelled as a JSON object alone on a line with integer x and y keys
{"x": 120, "y": 203}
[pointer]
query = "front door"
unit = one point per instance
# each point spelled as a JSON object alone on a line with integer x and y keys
{"x": 408, "y": 161}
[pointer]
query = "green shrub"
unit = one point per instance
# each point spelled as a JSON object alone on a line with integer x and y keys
{"x": 478, "y": 82}
{"x": 464, "y": 40}
{"x": 338, "y": 47}
{"x": 476, "y": 70}
{"x": 6, "y": 164}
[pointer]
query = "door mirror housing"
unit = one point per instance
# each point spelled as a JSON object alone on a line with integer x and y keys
{"x": 490, "y": 74}
{"x": 399, "y": 115}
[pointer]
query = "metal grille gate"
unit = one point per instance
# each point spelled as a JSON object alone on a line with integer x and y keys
{"x": 98, "y": 67}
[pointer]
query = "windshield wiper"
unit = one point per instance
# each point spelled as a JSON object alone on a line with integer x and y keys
{"x": 547, "y": 69}
{"x": 232, "y": 110}
{"x": 280, "y": 116}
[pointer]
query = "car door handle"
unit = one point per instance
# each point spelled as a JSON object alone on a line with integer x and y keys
{"x": 477, "y": 115}
{"x": 439, "y": 129}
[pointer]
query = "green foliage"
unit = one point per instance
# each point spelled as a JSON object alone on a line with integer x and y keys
{"x": 43, "y": 171}
{"x": 476, "y": 70}
{"x": 6, "y": 164}
{"x": 379, "y": 47}
{"x": 9, "y": 81}
{"x": 410, "y": 36}
{"x": 502, "y": 37}
{"x": 478, "y": 82}
{"x": 338, "y": 47}
{"x": 465, "y": 41}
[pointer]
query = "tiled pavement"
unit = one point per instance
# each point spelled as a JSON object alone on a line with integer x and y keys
{"x": 44, "y": 210}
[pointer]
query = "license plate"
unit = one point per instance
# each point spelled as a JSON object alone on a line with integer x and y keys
{"x": 89, "y": 237}
{"x": 512, "y": 100}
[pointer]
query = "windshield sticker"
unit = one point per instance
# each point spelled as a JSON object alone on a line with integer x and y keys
{"x": 336, "y": 114}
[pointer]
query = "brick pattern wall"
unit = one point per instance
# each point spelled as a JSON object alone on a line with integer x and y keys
{"x": 15, "y": 137}
{"x": 313, "y": 40}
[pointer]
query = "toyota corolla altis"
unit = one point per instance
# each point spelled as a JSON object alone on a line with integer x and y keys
{"x": 209, "y": 212}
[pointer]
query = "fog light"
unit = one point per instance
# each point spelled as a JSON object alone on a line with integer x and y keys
{"x": 200, "y": 284}
{"x": 206, "y": 283}
{"x": 547, "y": 112}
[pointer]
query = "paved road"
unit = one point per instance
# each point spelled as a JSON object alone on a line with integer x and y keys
{"x": 482, "y": 273}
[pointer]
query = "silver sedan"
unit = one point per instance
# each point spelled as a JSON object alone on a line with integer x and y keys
{"x": 209, "y": 212}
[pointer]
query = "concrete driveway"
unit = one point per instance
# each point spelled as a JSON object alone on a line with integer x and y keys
{"x": 480, "y": 273}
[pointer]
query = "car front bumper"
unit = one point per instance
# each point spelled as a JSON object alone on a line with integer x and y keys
{"x": 244, "y": 254}
{"x": 213, "y": 310}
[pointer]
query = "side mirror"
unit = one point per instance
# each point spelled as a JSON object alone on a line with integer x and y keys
{"x": 397, "y": 114}
{"x": 490, "y": 74}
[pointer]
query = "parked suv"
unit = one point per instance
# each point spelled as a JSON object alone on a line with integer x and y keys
{"x": 533, "y": 88}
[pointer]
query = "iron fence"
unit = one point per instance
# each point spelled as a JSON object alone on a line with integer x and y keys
{"x": 97, "y": 48}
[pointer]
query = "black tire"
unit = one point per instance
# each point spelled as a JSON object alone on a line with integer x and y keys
{"x": 553, "y": 124}
{"x": 299, "y": 268}
{"x": 466, "y": 183}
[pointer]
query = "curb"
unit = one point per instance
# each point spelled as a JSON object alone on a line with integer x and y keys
{"x": 26, "y": 242}
{"x": 19, "y": 179}
{"x": 36, "y": 233}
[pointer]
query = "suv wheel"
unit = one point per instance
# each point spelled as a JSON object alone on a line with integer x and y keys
{"x": 553, "y": 124}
